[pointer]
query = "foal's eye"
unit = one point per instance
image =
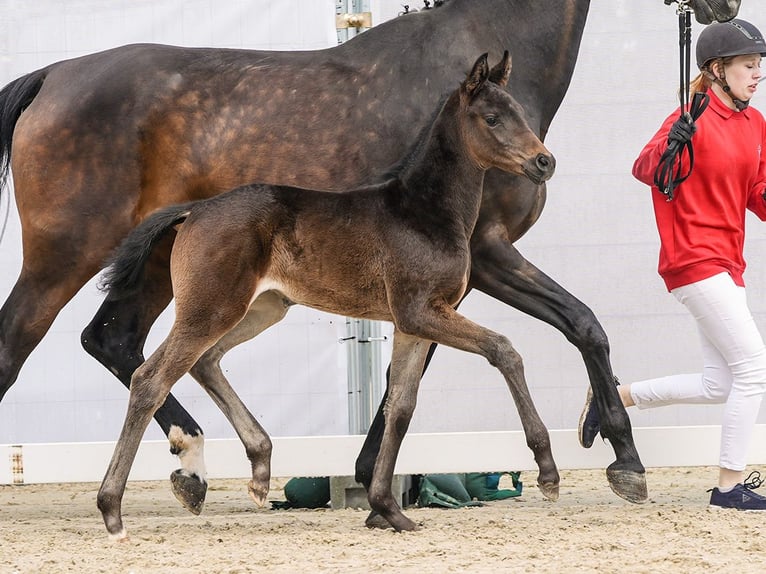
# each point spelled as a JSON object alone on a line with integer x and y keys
{"x": 491, "y": 121}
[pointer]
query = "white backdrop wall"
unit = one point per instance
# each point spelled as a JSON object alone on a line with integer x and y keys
{"x": 294, "y": 378}
{"x": 596, "y": 237}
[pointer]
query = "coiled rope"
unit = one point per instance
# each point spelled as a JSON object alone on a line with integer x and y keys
{"x": 668, "y": 175}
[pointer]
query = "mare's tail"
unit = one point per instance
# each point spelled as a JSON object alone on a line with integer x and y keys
{"x": 125, "y": 273}
{"x": 14, "y": 99}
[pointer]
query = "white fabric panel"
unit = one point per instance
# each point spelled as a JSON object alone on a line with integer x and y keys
{"x": 294, "y": 376}
{"x": 596, "y": 237}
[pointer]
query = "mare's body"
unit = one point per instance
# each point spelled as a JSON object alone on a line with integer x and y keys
{"x": 100, "y": 142}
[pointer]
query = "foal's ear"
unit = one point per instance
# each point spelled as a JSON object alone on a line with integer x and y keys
{"x": 477, "y": 77}
{"x": 502, "y": 71}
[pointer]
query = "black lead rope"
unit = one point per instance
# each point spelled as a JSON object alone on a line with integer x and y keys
{"x": 668, "y": 174}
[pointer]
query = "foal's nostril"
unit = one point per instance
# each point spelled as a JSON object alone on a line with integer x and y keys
{"x": 543, "y": 161}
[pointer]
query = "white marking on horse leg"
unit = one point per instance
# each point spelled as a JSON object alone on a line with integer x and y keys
{"x": 121, "y": 536}
{"x": 191, "y": 452}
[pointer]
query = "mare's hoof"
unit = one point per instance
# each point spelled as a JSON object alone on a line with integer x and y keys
{"x": 628, "y": 484}
{"x": 550, "y": 490}
{"x": 189, "y": 490}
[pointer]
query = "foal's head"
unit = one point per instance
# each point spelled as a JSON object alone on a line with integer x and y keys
{"x": 494, "y": 125}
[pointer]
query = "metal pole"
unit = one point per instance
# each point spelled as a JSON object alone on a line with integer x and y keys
{"x": 363, "y": 337}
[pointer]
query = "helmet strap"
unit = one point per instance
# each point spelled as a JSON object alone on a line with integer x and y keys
{"x": 739, "y": 104}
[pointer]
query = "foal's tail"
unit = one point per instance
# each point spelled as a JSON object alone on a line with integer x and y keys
{"x": 14, "y": 99}
{"x": 125, "y": 272}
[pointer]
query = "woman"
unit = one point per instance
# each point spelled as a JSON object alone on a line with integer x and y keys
{"x": 701, "y": 226}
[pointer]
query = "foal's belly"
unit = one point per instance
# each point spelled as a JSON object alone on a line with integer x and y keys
{"x": 351, "y": 298}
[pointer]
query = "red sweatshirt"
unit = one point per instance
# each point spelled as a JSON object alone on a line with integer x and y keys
{"x": 702, "y": 230}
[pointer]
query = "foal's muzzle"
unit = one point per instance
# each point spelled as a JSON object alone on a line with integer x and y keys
{"x": 541, "y": 168}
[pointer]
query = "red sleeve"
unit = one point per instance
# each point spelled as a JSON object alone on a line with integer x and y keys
{"x": 755, "y": 200}
{"x": 647, "y": 161}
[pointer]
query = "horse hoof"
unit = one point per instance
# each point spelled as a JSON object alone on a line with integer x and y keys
{"x": 375, "y": 520}
{"x": 257, "y": 493}
{"x": 550, "y": 490}
{"x": 121, "y": 536}
{"x": 628, "y": 484}
{"x": 189, "y": 490}
{"x": 399, "y": 523}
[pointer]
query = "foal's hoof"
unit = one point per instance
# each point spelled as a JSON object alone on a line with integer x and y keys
{"x": 550, "y": 490}
{"x": 628, "y": 484}
{"x": 189, "y": 490}
{"x": 258, "y": 493}
{"x": 399, "y": 523}
{"x": 120, "y": 537}
{"x": 375, "y": 520}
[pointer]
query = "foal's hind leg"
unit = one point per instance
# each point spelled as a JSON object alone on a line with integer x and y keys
{"x": 265, "y": 311}
{"x": 408, "y": 357}
{"x": 196, "y": 328}
{"x": 500, "y": 271}
{"x": 151, "y": 382}
{"x": 116, "y": 336}
{"x": 442, "y": 324}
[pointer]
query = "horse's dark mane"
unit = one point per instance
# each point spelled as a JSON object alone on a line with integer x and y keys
{"x": 398, "y": 168}
{"x": 426, "y": 6}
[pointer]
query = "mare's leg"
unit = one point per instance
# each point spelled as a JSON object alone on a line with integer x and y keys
{"x": 441, "y": 324}
{"x": 265, "y": 311}
{"x": 115, "y": 338}
{"x": 59, "y": 257}
{"x": 69, "y": 225}
{"x": 39, "y": 294}
{"x": 500, "y": 271}
{"x": 407, "y": 361}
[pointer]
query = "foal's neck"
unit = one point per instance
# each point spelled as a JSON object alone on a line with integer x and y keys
{"x": 443, "y": 179}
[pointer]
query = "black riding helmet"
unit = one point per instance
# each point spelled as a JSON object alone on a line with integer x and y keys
{"x": 725, "y": 39}
{"x": 733, "y": 38}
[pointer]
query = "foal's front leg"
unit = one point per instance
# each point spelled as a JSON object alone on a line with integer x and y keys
{"x": 407, "y": 360}
{"x": 444, "y": 325}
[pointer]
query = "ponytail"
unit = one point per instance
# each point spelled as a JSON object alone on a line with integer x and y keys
{"x": 701, "y": 83}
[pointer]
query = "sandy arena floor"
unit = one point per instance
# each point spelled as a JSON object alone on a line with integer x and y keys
{"x": 56, "y": 528}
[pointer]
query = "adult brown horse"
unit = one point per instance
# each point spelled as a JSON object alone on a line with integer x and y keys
{"x": 100, "y": 142}
{"x": 396, "y": 251}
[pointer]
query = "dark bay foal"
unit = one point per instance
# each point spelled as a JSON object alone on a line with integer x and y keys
{"x": 398, "y": 251}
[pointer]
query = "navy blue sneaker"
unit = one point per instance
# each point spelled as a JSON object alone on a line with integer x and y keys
{"x": 741, "y": 497}
{"x": 590, "y": 424}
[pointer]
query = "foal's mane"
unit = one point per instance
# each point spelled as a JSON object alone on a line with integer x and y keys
{"x": 412, "y": 154}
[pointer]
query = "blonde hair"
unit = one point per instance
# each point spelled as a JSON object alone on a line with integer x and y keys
{"x": 701, "y": 83}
